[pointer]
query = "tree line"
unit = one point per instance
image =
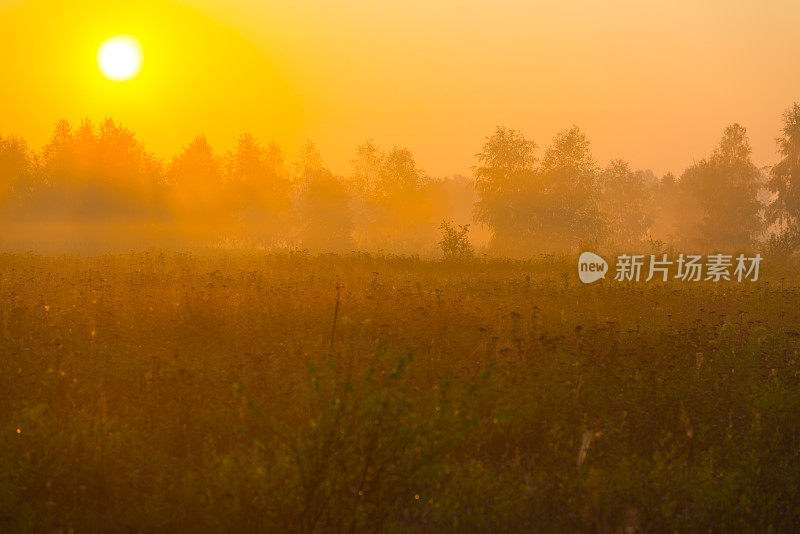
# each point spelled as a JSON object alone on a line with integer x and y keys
{"x": 525, "y": 200}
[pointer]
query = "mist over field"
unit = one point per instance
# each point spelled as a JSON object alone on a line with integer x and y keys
{"x": 247, "y": 341}
{"x": 96, "y": 188}
{"x": 399, "y": 267}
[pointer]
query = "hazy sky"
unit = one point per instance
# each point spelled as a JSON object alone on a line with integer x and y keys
{"x": 652, "y": 82}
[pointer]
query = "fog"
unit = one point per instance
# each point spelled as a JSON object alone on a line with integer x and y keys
{"x": 96, "y": 188}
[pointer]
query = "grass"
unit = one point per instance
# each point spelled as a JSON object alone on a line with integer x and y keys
{"x": 166, "y": 392}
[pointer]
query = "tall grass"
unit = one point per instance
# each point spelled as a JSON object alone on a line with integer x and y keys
{"x": 236, "y": 392}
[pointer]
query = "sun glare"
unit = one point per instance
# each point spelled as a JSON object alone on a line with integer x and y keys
{"x": 120, "y": 58}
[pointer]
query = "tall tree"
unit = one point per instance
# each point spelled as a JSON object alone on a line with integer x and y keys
{"x": 784, "y": 179}
{"x": 625, "y": 203}
{"x": 570, "y": 192}
{"x": 549, "y": 206}
{"x": 97, "y": 173}
{"x": 505, "y": 171}
{"x": 367, "y": 165}
{"x": 726, "y": 188}
{"x": 394, "y": 206}
{"x": 256, "y": 176}
{"x": 195, "y": 179}
{"x": 400, "y": 174}
{"x": 326, "y": 222}
{"x": 17, "y": 167}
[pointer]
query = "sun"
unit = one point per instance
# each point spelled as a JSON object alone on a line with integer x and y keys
{"x": 120, "y": 58}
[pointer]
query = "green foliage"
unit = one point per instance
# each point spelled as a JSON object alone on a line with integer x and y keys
{"x": 169, "y": 392}
{"x": 395, "y": 200}
{"x": 550, "y": 206}
{"x": 725, "y": 186}
{"x": 98, "y": 182}
{"x": 323, "y": 205}
{"x": 367, "y": 448}
{"x": 626, "y": 205}
{"x": 16, "y": 167}
{"x": 785, "y": 176}
{"x": 779, "y": 249}
{"x": 455, "y": 243}
{"x": 505, "y": 169}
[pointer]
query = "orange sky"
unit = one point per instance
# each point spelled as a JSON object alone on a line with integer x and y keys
{"x": 651, "y": 81}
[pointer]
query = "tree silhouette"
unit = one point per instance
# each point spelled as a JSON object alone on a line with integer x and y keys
{"x": 256, "y": 176}
{"x": 569, "y": 192}
{"x": 625, "y": 202}
{"x": 504, "y": 174}
{"x": 394, "y": 205}
{"x": 326, "y": 222}
{"x": 195, "y": 181}
{"x": 17, "y": 168}
{"x": 367, "y": 165}
{"x": 726, "y": 188}
{"x": 550, "y": 206}
{"x": 97, "y": 176}
{"x": 785, "y": 178}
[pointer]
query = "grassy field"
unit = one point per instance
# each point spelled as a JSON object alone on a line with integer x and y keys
{"x": 167, "y": 392}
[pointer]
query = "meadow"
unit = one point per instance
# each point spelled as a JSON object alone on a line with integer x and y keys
{"x": 289, "y": 392}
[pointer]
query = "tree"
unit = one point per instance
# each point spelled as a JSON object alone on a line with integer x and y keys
{"x": 784, "y": 179}
{"x": 455, "y": 243}
{"x": 726, "y": 188}
{"x": 399, "y": 174}
{"x": 96, "y": 173}
{"x": 550, "y": 206}
{"x": 677, "y": 214}
{"x": 569, "y": 180}
{"x": 326, "y": 222}
{"x": 17, "y": 167}
{"x": 196, "y": 165}
{"x": 505, "y": 172}
{"x": 195, "y": 180}
{"x": 404, "y": 195}
{"x": 59, "y": 155}
{"x": 256, "y": 176}
{"x": 367, "y": 165}
{"x": 625, "y": 203}
{"x": 260, "y": 191}
{"x": 394, "y": 206}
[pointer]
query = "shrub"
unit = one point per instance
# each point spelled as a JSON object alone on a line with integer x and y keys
{"x": 455, "y": 241}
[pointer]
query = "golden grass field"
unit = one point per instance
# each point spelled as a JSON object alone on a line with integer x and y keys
{"x": 244, "y": 392}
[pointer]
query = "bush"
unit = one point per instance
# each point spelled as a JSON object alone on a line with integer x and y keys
{"x": 455, "y": 241}
{"x": 781, "y": 247}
